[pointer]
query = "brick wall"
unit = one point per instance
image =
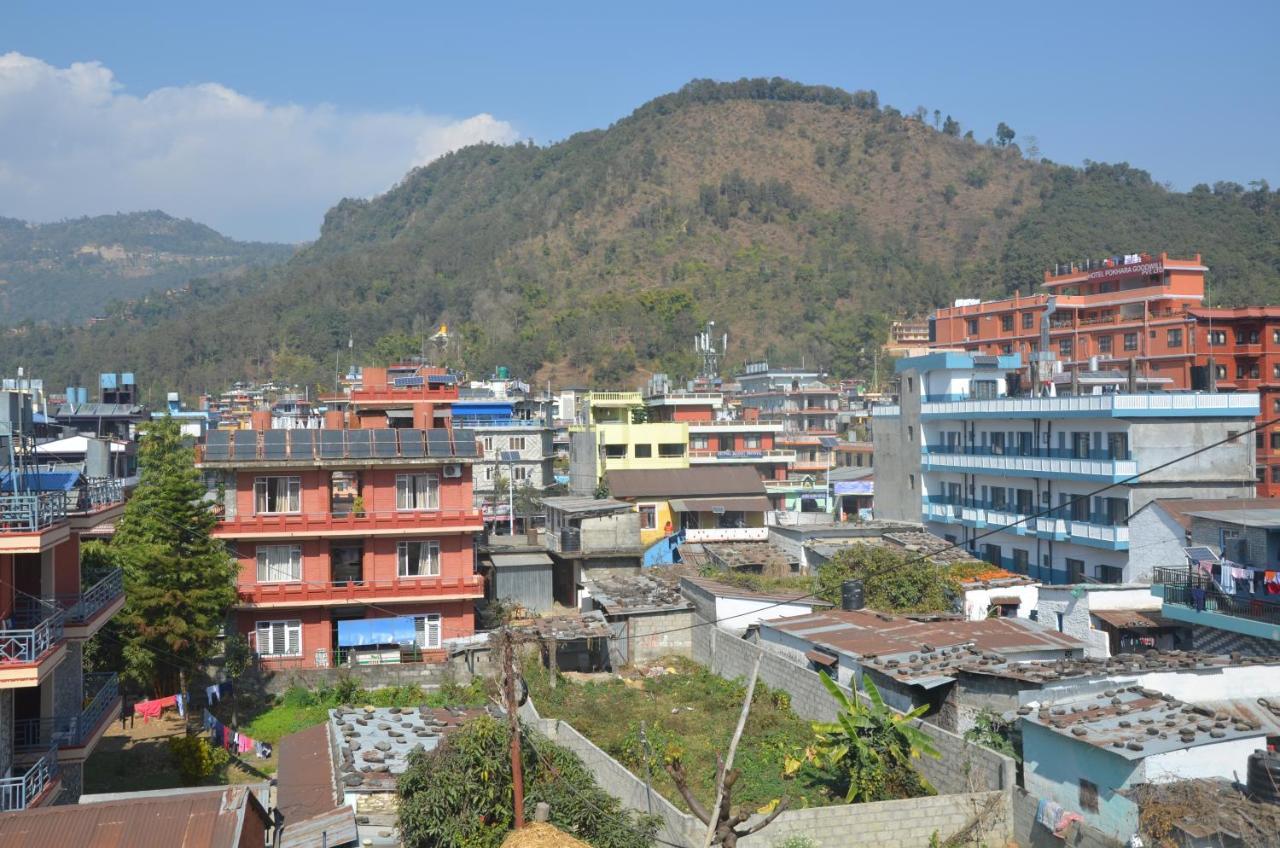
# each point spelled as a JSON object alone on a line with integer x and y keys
{"x": 886, "y": 824}
{"x": 962, "y": 767}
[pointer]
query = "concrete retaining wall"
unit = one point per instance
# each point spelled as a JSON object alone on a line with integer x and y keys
{"x": 963, "y": 767}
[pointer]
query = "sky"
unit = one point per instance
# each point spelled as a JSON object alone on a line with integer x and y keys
{"x": 255, "y": 118}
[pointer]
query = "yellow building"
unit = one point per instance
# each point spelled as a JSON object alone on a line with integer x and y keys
{"x": 710, "y": 504}
{"x": 621, "y": 438}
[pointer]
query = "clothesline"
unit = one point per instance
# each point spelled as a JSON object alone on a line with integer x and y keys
{"x": 233, "y": 740}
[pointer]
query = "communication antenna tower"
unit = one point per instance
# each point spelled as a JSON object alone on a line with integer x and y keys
{"x": 705, "y": 345}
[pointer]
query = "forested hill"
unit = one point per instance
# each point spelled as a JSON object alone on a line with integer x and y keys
{"x": 800, "y": 218}
{"x": 70, "y": 270}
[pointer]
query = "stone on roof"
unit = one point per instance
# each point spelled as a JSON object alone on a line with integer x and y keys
{"x": 630, "y": 594}
{"x": 373, "y": 743}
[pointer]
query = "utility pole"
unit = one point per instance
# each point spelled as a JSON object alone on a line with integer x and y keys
{"x": 509, "y": 695}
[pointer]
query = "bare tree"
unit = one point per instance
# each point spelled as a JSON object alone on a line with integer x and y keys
{"x": 726, "y": 829}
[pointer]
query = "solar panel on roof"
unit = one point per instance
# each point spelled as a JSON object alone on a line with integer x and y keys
{"x": 385, "y": 445}
{"x": 359, "y": 445}
{"x": 411, "y": 443}
{"x": 217, "y": 445}
{"x": 302, "y": 444}
{"x": 405, "y": 382}
{"x": 440, "y": 380}
{"x": 273, "y": 445}
{"x": 438, "y": 442}
{"x": 331, "y": 444}
{"x": 464, "y": 443}
{"x": 1201, "y": 553}
{"x": 246, "y": 444}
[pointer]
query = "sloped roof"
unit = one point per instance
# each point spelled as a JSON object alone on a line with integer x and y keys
{"x": 702, "y": 481}
{"x": 1180, "y": 509}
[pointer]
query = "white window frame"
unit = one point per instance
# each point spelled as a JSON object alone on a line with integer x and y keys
{"x": 284, "y": 631}
{"x": 413, "y": 489}
{"x": 433, "y": 558}
{"x": 292, "y": 494}
{"x": 650, "y": 510}
{"x": 751, "y": 441}
{"x": 519, "y": 473}
{"x": 428, "y": 630}
{"x": 274, "y": 574}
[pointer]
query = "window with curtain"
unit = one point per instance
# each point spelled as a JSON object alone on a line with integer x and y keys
{"x": 279, "y": 563}
{"x": 277, "y": 494}
{"x": 417, "y": 491}
{"x": 280, "y": 638}
{"x": 418, "y": 559}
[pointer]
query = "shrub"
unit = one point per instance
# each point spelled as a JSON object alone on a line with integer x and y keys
{"x": 196, "y": 759}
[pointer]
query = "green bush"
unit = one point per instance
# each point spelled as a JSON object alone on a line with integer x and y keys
{"x": 796, "y": 842}
{"x": 196, "y": 759}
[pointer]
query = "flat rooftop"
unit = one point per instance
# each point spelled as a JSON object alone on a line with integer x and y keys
{"x": 373, "y": 743}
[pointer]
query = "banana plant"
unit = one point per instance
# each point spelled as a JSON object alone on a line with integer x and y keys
{"x": 866, "y": 754}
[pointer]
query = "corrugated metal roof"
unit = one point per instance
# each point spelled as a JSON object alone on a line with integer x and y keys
{"x": 751, "y": 504}
{"x": 703, "y": 481}
{"x": 724, "y": 590}
{"x": 306, "y": 793}
{"x": 211, "y": 819}
{"x": 1180, "y": 509}
{"x": 584, "y": 506}
{"x": 1136, "y": 619}
{"x": 519, "y": 559}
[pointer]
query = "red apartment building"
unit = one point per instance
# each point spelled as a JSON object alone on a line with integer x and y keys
{"x": 52, "y": 714}
{"x": 718, "y": 440}
{"x": 362, "y": 521}
{"x": 1143, "y": 308}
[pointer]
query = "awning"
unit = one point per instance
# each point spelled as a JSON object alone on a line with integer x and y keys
{"x": 376, "y": 631}
{"x": 758, "y": 503}
{"x": 40, "y": 481}
{"x": 821, "y": 658}
{"x": 399, "y": 414}
{"x": 1005, "y": 599}
{"x": 1136, "y": 620}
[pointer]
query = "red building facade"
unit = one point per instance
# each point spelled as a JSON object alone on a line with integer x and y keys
{"x": 342, "y": 524}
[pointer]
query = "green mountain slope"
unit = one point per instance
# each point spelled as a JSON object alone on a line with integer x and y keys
{"x": 70, "y": 270}
{"x": 800, "y": 218}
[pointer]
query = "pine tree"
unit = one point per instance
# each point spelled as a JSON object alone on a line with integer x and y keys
{"x": 179, "y": 581}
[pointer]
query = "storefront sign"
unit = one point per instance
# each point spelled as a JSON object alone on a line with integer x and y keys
{"x": 1143, "y": 269}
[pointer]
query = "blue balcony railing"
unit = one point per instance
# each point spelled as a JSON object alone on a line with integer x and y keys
{"x": 28, "y": 513}
{"x": 26, "y": 636}
{"x": 1016, "y": 451}
{"x": 20, "y": 790}
{"x": 102, "y": 691}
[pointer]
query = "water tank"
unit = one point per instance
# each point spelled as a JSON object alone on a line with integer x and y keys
{"x": 1264, "y": 776}
{"x": 851, "y": 595}
{"x": 82, "y": 395}
{"x": 504, "y": 373}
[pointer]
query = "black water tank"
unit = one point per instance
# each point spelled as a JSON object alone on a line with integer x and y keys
{"x": 851, "y": 596}
{"x": 1264, "y": 776}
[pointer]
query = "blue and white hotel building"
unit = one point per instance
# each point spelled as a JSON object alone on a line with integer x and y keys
{"x": 1002, "y": 471}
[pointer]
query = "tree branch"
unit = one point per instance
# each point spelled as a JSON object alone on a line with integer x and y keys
{"x": 768, "y": 820}
{"x": 676, "y": 770}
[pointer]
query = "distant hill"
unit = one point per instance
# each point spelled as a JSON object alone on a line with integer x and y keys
{"x": 71, "y": 270}
{"x": 800, "y": 218}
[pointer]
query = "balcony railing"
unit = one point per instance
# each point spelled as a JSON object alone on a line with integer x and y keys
{"x": 1113, "y": 470}
{"x": 1017, "y": 451}
{"x": 356, "y": 590}
{"x": 307, "y": 522}
{"x": 72, "y": 731}
{"x": 81, "y": 607}
{"x": 325, "y": 658}
{"x": 31, "y": 633}
{"x": 744, "y": 455}
{"x": 98, "y": 492}
{"x": 750, "y": 426}
{"x": 1101, "y": 406}
{"x": 727, "y": 534}
{"x": 21, "y": 790}
{"x": 29, "y": 513}
{"x": 1251, "y": 608}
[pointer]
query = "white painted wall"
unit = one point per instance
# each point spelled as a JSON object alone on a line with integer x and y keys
{"x": 1155, "y": 539}
{"x": 744, "y": 612}
{"x": 1076, "y": 611}
{"x": 1228, "y": 759}
{"x": 977, "y": 602}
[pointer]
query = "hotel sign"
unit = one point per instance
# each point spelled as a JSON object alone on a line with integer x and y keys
{"x": 739, "y": 454}
{"x": 1142, "y": 269}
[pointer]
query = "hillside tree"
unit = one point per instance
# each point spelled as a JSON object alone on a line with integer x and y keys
{"x": 179, "y": 581}
{"x": 1004, "y": 134}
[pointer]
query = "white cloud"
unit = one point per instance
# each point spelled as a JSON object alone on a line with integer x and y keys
{"x": 73, "y": 142}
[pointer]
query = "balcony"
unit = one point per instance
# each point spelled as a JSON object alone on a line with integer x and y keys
{"x": 85, "y": 612}
{"x": 1156, "y": 404}
{"x": 737, "y": 457}
{"x": 30, "y": 523}
{"x": 726, "y": 534}
{"x": 32, "y": 642}
{"x": 31, "y": 787}
{"x": 319, "y": 593}
{"x": 334, "y": 524}
{"x": 1248, "y": 615}
{"x": 98, "y": 493}
{"x": 1044, "y": 464}
{"x": 743, "y": 426}
{"x": 74, "y": 736}
{"x": 1096, "y": 532}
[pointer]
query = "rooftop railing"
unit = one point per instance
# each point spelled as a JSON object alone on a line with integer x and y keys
{"x": 29, "y": 513}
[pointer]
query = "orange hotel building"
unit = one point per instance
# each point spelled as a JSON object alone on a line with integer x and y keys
{"x": 1149, "y": 310}
{"x": 370, "y": 517}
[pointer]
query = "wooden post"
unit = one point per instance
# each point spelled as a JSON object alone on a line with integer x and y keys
{"x": 509, "y": 695}
{"x": 552, "y": 661}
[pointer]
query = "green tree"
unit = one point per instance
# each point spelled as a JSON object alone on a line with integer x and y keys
{"x": 866, "y": 754}
{"x": 951, "y": 126}
{"x": 236, "y": 660}
{"x": 891, "y": 582}
{"x": 949, "y": 194}
{"x": 396, "y": 347}
{"x": 1004, "y": 134}
{"x": 179, "y": 581}
{"x": 460, "y": 795}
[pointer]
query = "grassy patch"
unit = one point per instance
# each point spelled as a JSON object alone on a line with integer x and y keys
{"x": 690, "y": 714}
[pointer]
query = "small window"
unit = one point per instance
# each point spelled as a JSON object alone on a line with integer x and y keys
{"x": 1064, "y": 347}
{"x": 1104, "y": 344}
{"x": 279, "y": 563}
{"x": 488, "y": 444}
{"x": 1217, "y": 338}
{"x": 1275, "y": 336}
{"x": 972, "y": 326}
{"x": 1060, "y": 622}
{"x": 1028, "y": 320}
{"x": 911, "y": 434}
{"x": 644, "y": 451}
{"x": 615, "y": 451}
{"x": 1175, "y": 338}
{"x": 911, "y": 384}
{"x": 427, "y": 630}
{"x": 1233, "y": 435}
{"x": 1130, "y": 341}
{"x": 1006, "y": 323}
{"x": 911, "y": 478}
{"x": 520, "y": 473}
{"x": 417, "y": 491}
{"x": 1275, "y": 474}
{"x": 1088, "y": 796}
{"x": 1220, "y": 371}
{"x": 279, "y": 638}
{"x": 274, "y": 495}
{"x": 1006, "y": 349}
{"x": 672, "y": 449}
{"x": 516, "y": 443}
{"x": 699, "y": 442}
{"x": 418, "y": 559}
{"x": 648, "y": 517}
{"x": 1260, "y": 473}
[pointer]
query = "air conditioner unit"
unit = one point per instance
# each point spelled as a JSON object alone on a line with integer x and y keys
{"x": 453, "y": 470}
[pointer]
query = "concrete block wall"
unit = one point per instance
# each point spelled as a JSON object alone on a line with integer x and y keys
{"x": 1027, "y": 832}
{"x": 68, "y": 681}
{"x": 963, "y": 766}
